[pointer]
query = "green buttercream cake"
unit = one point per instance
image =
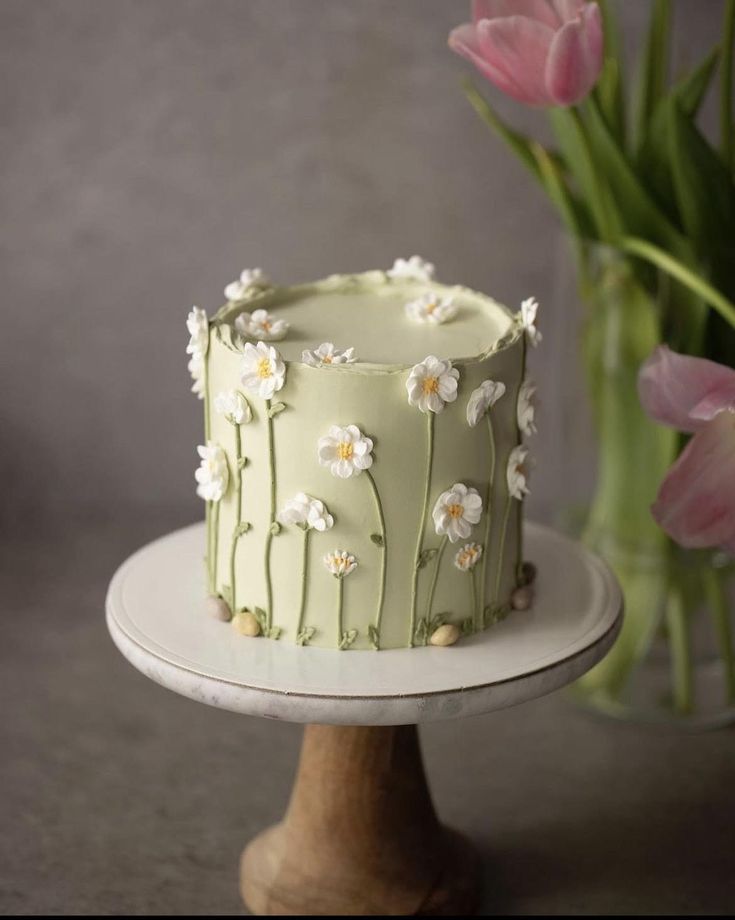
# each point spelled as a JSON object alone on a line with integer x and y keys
{"x": 363, "y": 468}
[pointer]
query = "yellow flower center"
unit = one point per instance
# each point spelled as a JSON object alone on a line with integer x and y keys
{"x": 430, "y": 385}
{"x": 267, "y": 325}
{"x": 345, "y": 451}
{"x": 431, "y": 306}
{"x": 327, "y": 359}
{"x": 455, "y": 511}
{"x": 264, "y": 368}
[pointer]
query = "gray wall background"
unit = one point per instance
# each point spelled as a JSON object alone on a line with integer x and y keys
{"x": 153, "y": 148}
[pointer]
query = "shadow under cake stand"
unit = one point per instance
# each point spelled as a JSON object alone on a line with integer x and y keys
{"x": 360, "y": 835}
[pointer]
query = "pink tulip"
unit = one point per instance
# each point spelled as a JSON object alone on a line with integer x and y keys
{"x": 540, "y": 52}
{"x": 696, "y": 501}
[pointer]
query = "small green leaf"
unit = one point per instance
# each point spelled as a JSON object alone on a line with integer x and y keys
{"x": 502, "y": 611}
{"x": 242, "y": 528}
{"x": 348, "y": 638}
{"x": 228, "y": 337}
{"x": 377, "y": 539}
{"x": 467, "y": 626}
{"x": 242, "y": 463}
{"x": 275, "y": 528}
{"x": 374, "y": 637}
{"x": 438, "y": 620}
{"x": 261, "y": 616}
{"x": 422, "y": 630}
{"x": 275, "y": 409}
{"x": 305, "y": 636}
{"x": 274, "y": 632}
{"x": 426, "y": 556}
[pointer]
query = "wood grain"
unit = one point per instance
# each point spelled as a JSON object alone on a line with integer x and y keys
{"x": 360, "y": 836}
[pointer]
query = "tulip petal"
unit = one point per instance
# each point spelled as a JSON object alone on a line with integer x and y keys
{"x": 575, "y": 58}
{"x": 696, "y": 501}
{"x": 464, "y": 40}
{"x": 567, "y": 10}
{"x": 592, "y": 21}
{"x": 540, "y": 10}
{"x": 723, "y": 397}
{"x": 684, "y": 392}
{"x": 518, "y": 48}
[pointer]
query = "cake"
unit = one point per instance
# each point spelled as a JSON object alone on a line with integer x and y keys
{"x": 363, "y": 469}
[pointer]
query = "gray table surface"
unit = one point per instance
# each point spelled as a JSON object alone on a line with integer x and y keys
{"x": 119, "y": 797}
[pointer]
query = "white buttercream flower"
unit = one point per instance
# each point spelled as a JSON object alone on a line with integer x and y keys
{"x": 526, "y": 408}
{"x": 263, "y": 370}
{"x": 431, "y": 308}
{"x": 213, "y": 473}
{"x": 456, "y": 511}
{"x": 198, "y": 327}
{"x": 432, "y": 384}
{"x": 307, "y": 512}
{"x": 519, "y": 469}
{"x": 413, "y": 269}
{"x": 482, "y": 399}
{"x": 261, "y": 325}
{"x": 249, "y": 280}
{"x": 196, "y": 369}
{"x": 529, "y": 309}
{"x": 340, "y": 563}
{"x": 327, "y": 354}
{"x": 468, "y": 556}
{"x": 233, "y": 405}
{"x": 346, "y": 451}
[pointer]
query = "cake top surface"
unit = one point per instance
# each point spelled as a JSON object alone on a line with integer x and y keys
{"x": 389, "y": 321}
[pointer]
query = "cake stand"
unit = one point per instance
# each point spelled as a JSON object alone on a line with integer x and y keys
{"x": 360, "y": 835}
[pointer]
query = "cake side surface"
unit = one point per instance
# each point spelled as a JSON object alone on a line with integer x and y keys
{"x": 370, "y": 504}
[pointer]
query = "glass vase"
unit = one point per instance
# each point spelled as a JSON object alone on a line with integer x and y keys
{"x": 673, "y": 661}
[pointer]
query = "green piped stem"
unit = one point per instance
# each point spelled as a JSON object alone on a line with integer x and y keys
{"x": 501, "y": 549}
{"x": 208, "y": 505}
{"x": 475, "y": 597}
{"x": 383, "y": 550}
{"x": 304, "y": 580}
{"x": 215, "y": 539}
{"x": 434, "y": 579}
{"x": 488, "y": 509}
{"x": 422, "y": 524}
{"x": 207, "y": 399}
{"x": 519, "y": 437}
{"x": 718, "y": 605}
{"x": 340, "y": 599}
{"x": 238, "y": 513}
{"x": 208, "y": 525}
{"x": 269, "y": 534}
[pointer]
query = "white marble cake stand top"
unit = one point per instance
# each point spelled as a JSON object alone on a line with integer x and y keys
{"x": 156, "y": 618}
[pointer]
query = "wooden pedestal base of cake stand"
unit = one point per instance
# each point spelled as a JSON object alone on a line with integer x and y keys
{"x": 360, "y": 835}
